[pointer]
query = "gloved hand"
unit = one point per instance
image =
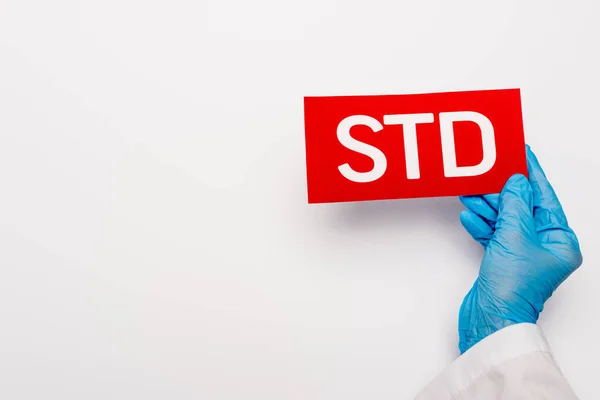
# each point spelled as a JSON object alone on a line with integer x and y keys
{"x": 529, "y": 251}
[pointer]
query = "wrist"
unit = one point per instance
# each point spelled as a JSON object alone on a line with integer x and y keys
{"x": 469, "y": 336}
{"x": 482, "y": 315}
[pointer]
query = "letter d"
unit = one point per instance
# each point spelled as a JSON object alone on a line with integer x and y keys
{"x": 448, "y": 146}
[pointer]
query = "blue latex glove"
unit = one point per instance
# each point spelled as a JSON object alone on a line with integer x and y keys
{"x": 529, "y": 251}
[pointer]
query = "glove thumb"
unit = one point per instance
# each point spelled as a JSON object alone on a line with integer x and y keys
{"x": 515, "y": 212}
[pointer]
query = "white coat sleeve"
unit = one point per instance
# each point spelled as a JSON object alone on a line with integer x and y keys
{"x": 514, "y": 363}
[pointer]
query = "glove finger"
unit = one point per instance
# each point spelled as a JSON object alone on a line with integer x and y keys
{"x": 476, "y": 227}
{"x": 493, "y": 200}
{"x": 481, "y": 207}
{"x": 515, "y": 213}
{"x": 547, "y": 211}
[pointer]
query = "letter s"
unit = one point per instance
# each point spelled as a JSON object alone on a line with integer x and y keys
{"x": 379, "y": 160}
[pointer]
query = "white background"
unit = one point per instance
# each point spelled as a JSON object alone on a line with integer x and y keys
{"x": 155, "y": 237}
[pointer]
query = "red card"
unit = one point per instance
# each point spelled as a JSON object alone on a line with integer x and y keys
{"x": 408, "y": 146}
